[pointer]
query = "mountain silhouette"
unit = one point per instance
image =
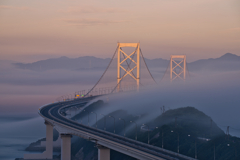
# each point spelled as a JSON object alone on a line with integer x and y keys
{"x": 227, "y": 62}
{"x": 86, "y": 62}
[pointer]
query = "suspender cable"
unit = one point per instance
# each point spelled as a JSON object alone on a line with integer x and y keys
{"x": 188, "y": 71}
{"x": 165, "y": 71}
{"x": 103, "y": 72}
{"x": 147, "y": 66}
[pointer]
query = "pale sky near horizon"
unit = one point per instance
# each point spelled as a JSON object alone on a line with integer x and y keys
{"x": 31, "y": 30}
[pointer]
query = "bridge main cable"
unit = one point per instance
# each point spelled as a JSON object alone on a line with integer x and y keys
{"x": 165, "y": 71}
{"x": 103, "y": 72}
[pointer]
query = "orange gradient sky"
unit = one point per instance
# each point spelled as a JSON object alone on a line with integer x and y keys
{"x": 32, "y": 30}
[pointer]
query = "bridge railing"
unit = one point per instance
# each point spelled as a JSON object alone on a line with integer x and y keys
{"x": 125, "y": 140}
{"x": 96, "y": 92}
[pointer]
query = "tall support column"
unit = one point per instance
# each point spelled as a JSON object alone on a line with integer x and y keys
{"x": 129, "y": 70}
{"x": 103, "y": 153}
{"x": 49, "y": 140}
{"x": 184, "y": 68}
{"x": 118, "y": 68}
{"x": 171, "y": 70}
{"x": 66, "y": 147}
{"x": 180, "y": 65}
{"x": 138, "y": 66}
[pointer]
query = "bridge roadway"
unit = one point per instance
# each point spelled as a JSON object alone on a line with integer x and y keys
{"x": 133, "y": 148}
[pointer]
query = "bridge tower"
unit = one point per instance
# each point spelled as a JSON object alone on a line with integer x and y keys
{"x": 178, "y": 65}
{"x": 128, "y": 57}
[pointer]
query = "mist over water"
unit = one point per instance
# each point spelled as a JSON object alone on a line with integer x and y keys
{"x": 22, "y": 93}
{"x": 17, "y": 132}
{"x": 216, "y": 93}
{"x": 25, "y": 91}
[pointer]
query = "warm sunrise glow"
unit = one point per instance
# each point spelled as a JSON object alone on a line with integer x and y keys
{"x": 43, "y": 29}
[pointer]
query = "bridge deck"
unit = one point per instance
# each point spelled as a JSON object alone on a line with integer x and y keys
{"x": 51, "y": 113}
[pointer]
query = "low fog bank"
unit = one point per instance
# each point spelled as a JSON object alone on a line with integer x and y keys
{"x": 17, "y": 132}
{"x": 20, "y": 125}
{"x": 217, "y": 95}
{"x": 22, "y": 99}
{"x": 26, "y": 90}
{"x": 15, "y": 76}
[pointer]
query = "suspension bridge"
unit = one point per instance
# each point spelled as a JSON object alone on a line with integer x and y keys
{"x": 129, "y": 72}
{"x": 128, "y": 77}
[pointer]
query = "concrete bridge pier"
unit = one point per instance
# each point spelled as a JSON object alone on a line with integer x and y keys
{"x": 48, "y": 153}
{"x": 103, "y": 153}
{"x": 49, "y": 141}
{"x": 66, "y": 147}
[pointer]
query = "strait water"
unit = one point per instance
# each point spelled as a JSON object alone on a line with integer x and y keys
{"x": 17, "y": 131}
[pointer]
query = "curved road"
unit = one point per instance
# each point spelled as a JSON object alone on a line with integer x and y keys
{"x": 52, "y": 112}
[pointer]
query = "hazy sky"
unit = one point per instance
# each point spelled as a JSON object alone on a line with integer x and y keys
{"x": 31, "y": 29}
